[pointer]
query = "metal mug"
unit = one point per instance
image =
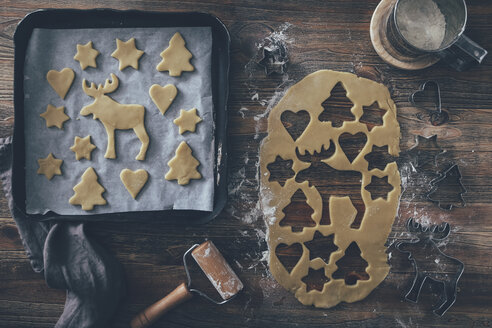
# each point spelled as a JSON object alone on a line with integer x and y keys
{"x": 456, "y": 49}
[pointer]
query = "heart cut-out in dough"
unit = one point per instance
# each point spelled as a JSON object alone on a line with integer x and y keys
{"x": 352, "y": 144}
{"x": 163, "y": 97}
{"x": 134, "y": 180}
{"x": 295, "y": 123}
{"x": 289, "y": 255}
{"x": 61, "y": 81}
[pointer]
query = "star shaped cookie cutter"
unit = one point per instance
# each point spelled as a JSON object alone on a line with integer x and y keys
{"x": 437, "y": 116}
{"x": 275, "y": 58}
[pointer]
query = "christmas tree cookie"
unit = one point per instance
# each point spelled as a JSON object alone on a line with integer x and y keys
{"x": 88, "y": 192}
{"x": 176, "y": 58}
{"x": 183, "y": 165}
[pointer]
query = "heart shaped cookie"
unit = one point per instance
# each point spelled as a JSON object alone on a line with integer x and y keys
{"x": 163, "y": 97}
{"x": 134, "y": 180}
{"x": 61, "y": 81}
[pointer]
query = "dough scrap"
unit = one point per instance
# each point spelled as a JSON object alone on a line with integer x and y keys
{"x": 115, "y": 116}
{"x": 163, "y": 97}
{"x": 183, "y": 165}
{"x": 61, "y": 81}
{"x": 176, "y": 58}
{"x": 55, "y": 116}
{"x": 88, "y": 192}
{"x": 127, "y": 53}
{"x": 86, "y": 55}
{"x": 187, "y": 120}
{"x": 379, "y": 214}
{"x": 82, "y": 147}
{"x": 50, "y": 166}
{"x": 134, "y": 180}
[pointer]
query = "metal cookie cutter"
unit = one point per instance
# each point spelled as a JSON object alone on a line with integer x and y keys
{"x": 457, "y": 187}
{"x": 436, "y": 116}
{"x": 425, "y": 243}
{"x": 274, "y": 58}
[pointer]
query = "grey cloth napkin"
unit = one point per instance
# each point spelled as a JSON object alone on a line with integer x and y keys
{"x": 71, "y": 260}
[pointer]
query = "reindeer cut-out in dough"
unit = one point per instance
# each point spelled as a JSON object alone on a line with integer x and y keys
{"x": 115, "y": 116}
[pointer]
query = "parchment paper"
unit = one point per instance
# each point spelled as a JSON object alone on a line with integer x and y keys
{"x": 55, "y": 49}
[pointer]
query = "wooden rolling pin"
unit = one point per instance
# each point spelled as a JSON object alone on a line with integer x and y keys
{"x": 217, "y": 270}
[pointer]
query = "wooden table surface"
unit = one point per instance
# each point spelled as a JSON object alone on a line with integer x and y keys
{"x": 318, "y": 35}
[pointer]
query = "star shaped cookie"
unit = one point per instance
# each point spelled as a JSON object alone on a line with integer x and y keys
{"x": 49, "y": 166}
{"x": 55, "y": 116}
{"x": 127, "y": 53}
{"x": 187, "y": 120}
{"x": 82, "y": 147}
{"x": 86, "y": 55}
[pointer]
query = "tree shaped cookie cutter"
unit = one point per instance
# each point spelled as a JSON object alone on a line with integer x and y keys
{"x": 426, "y": 237}
{"x": 452, "y": 170}
{"x": 437, "y": 116}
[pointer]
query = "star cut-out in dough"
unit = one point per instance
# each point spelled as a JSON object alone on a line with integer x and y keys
{"x": 187, "y": 120}
{"x": 49, "y": 166}
{"x": 82, "y": 147}
{"x": 86, "y": 55}
{"x": 55, "y": 116}
{"x": 127, "y": 53}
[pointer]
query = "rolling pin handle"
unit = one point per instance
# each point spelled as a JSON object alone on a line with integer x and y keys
{"x": 156, "y": 310}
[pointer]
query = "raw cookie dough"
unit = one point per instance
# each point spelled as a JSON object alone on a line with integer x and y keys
{"x": 55, "y": 116}
{"x": 183, "y": 165}
{"x": 176, "y": 58}
{"x": 82, "y": 147}
{"x": 127, "y": 53}
{"x": 134, "y": 180}
{"x": 49, "y": 166}
{"x": 86, "y": 55}
{"x": 379, "y": 214}
{"x": 115, "y": 116}
{"x": 187, "y": 120}
{"x": 163, "y": 97}
{"x": 61, "y": 81}
{"x": 88, "y": 192}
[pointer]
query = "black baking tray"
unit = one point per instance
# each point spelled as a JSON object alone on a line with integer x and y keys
{"x": 107, "y": 18}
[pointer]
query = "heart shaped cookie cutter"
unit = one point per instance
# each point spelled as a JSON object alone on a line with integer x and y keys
{"x": 437, "y": 116}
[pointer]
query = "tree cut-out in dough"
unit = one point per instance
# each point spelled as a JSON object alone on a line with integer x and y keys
{"x": 183, "y": 165}
{"x": 298, "y": 213}
{"x": 88, "y": 192}
{"x": 86, "y": 55}
{"x": 115, "y": 116}
{"x": 61, "y": 81}
{"x": 127, "y": 54}
{"x": 134, "y": 181}
{"x": 49, "y": 166}
{"x": 163, "y": 97}
{"x": 82, "y": 147}
{"x": 352, "y": 266}
{"x": 176, "y": 58}
{"x": 337, "y": 107}
{"x": 187, "y": 120}
{"x": 55, "y": 116}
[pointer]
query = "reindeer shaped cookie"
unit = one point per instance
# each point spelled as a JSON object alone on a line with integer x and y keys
{"x": 422, "y": 249}
{"x": 114, "y": 115}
